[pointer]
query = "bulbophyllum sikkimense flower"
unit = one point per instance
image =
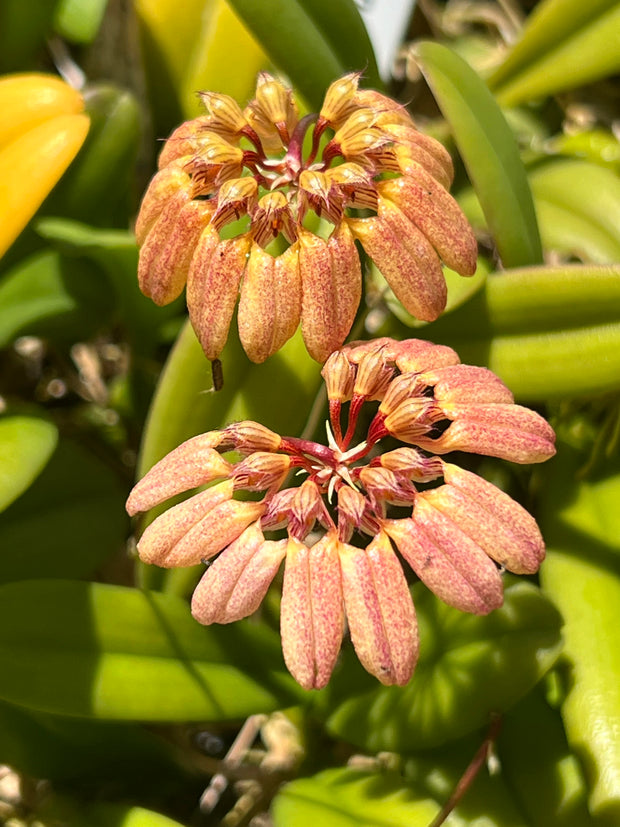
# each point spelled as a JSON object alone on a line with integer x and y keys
{"x": 359, "y": 510}
{"x": 306, "y": 189}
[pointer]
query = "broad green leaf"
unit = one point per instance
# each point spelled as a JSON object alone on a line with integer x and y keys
{"x": 582, "y": 576}
{"x": 53, "y": 296}
{"x": 469, "y": 667}
{"x": 26, "y": 444}
{"x": 205, "y": 48}
{"x": 545, "y": 776}
{"x": 223, "y": 57}
{"x": 579, "y": 191}
{"x": 98, "y": 187}
{"x": 116, "y": 252}
{"x": 550, "y": 23}
{"x": 598, "y": 146}
{"x": 295, "y": 44}
{"x": 489, "y": 151}
{"x": 590, "y": 53}
{"x": 343, "y": 28}
{"x": 75, "y": 813}
{"x": 61, "y": 749}
{"x": 70, "y": 520}
{"x": 23, "y": 32}
{"x": 576, "y": 203}
{"x": 102, "y": 651}
{"x": 79, "y": 20}
{"x": 546, "y": 331}
{"x": 350, "y": 797}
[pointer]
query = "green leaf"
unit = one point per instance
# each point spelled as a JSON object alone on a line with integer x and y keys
{"x": 93, "y": 650}
{"x": 79, "y": 20}
{"x": 53, "y": 296}
{"x": 548, "y": 332}
{"x": 292, "y": 34}
{"x": 75, "y": 813}
{"x": 489, "y": 151}
{"x": 61, "y": 749}
{"x": 573, "y": 193}
{"x": 550, "y": 23}
{"x": 582, "y": 576}
{"x": 116, "y": 252}
{"x": 24, "y": 29}
{"x": 350, "y": 797}
{"x": 344, "y": 29}
{"x": 26, "y": 444}
{"x": 537, "y": 764}
{"x": 469, "y": 667}
{"x": 98, "y": 186}
{"x": 68, "y": 522}
{"x": 587, "y": 52}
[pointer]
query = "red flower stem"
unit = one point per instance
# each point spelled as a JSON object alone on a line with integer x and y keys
{"x": 469, "y": 776}
{"x": 297, "y": 138}
{"x": 319, "y": 128}
{"x": 294, "y": 445}
{"x": 251, "y": 135}
{"x": 354, "y": 409}
{"x": 335, "y": 407}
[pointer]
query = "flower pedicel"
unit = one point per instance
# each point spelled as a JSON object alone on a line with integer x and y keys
{"x": 308, "y": 189}
{"x": 342, "y": 534}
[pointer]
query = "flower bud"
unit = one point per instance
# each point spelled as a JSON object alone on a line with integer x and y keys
{"x": 379, "y": 611}
{"x": 235, "y": 584}
{"x": 195, "y": 462}
{"x": 339, "y": 101}
{"x": 449, "y": 562}
{"x": 311, "y": 613}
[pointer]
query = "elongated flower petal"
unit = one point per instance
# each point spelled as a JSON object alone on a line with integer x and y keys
{"x": 405, "y": 258}
{"x": 219, "y": 527}
{"x": 503, "y": 528}
{"x": 414, "y": 149}
{"x": 312, "y": 614}
{"x": 449, "y": 562}
{"x": 235, "y": 584}
{"x": 431, "y": 208}
{"x": 331, "y": 286}
{"x": 195, "y": 462}
{"x": 168, "y": 251}
{"x": 183, "y": 142}
{"x": 506, "y": 431}
{"x": 419, "y": 356}
{"x": 465, "y": 383}
{"x": 270, "y": 302}
{"x": 162, "y": 535}
{"x": 379, "y": 611}
{"x": 170, "y": 184}
{"x": 213, "y": 286}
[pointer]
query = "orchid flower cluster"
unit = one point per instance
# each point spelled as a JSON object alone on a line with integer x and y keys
{"x": 359, "y": 509}
{"x": 263, "y": 206}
